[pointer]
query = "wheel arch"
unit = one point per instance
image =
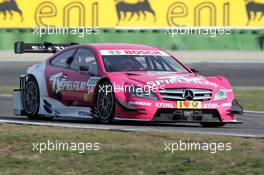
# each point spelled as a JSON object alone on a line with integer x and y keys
{"x": 97, "y": 87}
{"x": 110, "y": 114}
{"x": 29, "y": 78}
{"x": 38, "y": 72}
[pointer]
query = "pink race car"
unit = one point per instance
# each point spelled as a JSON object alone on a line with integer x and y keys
{"x": 109, "y": 82}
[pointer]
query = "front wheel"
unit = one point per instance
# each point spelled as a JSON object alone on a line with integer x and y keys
{"x": 105, "y": 102}
{"x": 30, "y": 98}
{"x": 212, "y": 125}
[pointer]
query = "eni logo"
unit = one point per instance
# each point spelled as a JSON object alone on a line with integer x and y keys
{"x": 10, "y": 6}
{"x": 253, "y": 9}
{"x": 142, "y": 7}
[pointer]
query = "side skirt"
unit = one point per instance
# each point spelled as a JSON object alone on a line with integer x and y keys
{"x": 53, "y": 108}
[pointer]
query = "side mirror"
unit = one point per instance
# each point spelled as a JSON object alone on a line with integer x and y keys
{"x": 195, "y": 71}
{"x": 84, "y": 69}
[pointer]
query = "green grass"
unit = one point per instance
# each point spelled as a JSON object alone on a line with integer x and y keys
{"x": 6, "y": 90}
{"x": 250, "y": 98}
{"x": 129, "y": 153}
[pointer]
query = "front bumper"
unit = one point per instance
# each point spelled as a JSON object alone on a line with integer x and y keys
{"x": 190, "y": 116}
{"x": 224, "y": 112}
{"x": 197, "y": 115}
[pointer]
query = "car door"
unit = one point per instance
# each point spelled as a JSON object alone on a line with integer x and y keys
{"x": 83, "y": 76}
{"x": 57, "y": 74}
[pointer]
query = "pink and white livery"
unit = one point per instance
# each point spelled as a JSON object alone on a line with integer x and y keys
{"x": 109, "y": 82}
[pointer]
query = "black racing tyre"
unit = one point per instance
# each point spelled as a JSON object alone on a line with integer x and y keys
{"x": 105, "y": 102}
{"x": 212, "y": 125}
{"x": 30, "y": 98}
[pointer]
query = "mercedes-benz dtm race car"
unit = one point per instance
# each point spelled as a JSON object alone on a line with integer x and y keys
{"x": 109, "y": 82}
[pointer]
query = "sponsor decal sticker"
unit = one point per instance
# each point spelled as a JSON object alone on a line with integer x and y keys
{"x": 131, "y": 13}
{"x": 215, "y": 105}
{"x": 164, "y": 105}
{"x": 226, "y": 104}
{"x": 60, "y": 82}
{"x": 189, "y": 104}
{"x": 88, "y": 96}
{"x": 181, "y": 79}
{"x": 134, "y": 52}
{"x": 140, "y": 103}
{"x": 210, "y": 106}
{"x": 84, "y": 113}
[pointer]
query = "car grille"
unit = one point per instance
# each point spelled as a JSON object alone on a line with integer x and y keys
{"x": 178, "y": 94}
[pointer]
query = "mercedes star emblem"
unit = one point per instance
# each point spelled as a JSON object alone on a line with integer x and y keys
{"x": 188, "y": 94}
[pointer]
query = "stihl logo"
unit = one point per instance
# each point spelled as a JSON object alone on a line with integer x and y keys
{"x": 142, "y": 52}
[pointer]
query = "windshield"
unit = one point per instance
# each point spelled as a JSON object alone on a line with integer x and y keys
{"x": 126, "y": 63}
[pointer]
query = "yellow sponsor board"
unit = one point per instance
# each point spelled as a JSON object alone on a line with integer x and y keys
{"x": 189, "y": 105}
{"x": 131, "y": 13}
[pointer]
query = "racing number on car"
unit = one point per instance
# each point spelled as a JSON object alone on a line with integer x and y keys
{"x": 189, "y": 104}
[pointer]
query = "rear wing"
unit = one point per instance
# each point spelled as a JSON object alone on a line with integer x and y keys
{"x": 21, "y": 47}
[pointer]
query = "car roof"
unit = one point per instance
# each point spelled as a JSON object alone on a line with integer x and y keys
{"x": 121, "y": 46}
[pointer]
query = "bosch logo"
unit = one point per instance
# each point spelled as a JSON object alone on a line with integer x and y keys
{"x": 115, "y": 52}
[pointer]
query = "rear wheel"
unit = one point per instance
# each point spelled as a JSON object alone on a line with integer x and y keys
{"x": 30, "y": 98}
{"x": 212, "y": 125}
{"x": 105, "y": 102}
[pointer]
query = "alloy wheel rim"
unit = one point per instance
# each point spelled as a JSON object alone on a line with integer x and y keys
{"x": 105, "y": 103}
{"x": 30, "y": 98}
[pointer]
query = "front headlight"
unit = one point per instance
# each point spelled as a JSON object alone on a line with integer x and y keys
{"x": 220, "y": 95}
{"x": 137, "y": 91}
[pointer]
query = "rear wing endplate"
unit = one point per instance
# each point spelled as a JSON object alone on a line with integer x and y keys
{"x": 22, "y": 47}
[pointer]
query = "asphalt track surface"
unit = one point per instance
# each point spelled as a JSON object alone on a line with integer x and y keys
{"x": 239, "y": 74}
{"x": 252, "y": 126}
